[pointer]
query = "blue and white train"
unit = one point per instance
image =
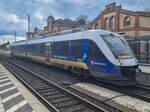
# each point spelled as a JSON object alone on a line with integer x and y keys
{"x": 102, "y": 54}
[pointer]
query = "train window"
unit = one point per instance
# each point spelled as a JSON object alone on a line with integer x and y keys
{"x": 76, "y": 48}
{"x": 34, "y": 48}
{"x": 118, "y": 45}
{"x": 148, "y": 49}
{"x": 93, "y": 50}
{"x": 55, "y": 48}
{"x": 64, "y": 48}
{"x": 20, "y": 49}
{"x": 31, "y": 49}
{"x": 37, "y": 50}
{"x": 41, "y": 49}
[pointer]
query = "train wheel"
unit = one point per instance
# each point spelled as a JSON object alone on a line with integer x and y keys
{"x": 85, "y": 75}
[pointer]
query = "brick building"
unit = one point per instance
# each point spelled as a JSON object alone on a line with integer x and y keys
{"x": 114, "y": 18}
{"x": 54, "y": 26}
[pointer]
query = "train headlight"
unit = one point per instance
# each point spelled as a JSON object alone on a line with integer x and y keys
{"x": 123, "y": 57}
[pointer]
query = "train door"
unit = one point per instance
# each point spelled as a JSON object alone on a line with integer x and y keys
{"x": 85, "y": 51}
{"x": 96, "y": 59}
{"x": 47, "y": 52}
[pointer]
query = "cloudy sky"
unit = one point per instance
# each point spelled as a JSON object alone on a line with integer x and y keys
{"x": 13, "y": 13}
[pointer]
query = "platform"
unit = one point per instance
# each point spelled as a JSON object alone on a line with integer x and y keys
{"x": 145, "y": 69}
{"x": 14, "y": 97}
{"x": 124, "y": 102}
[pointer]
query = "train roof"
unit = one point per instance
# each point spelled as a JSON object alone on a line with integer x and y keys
{"x": 60, "y": 36}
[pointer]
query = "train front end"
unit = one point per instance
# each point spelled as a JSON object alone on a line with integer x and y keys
{"x": 118, "y": 65}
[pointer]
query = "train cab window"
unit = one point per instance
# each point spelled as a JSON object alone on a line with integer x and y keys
{"x": 64, "y": 48}
{"x": 93, "y": 50}
{"x": 76, "y": 48}
{"x": 118, "y": 45}
{"x": 56, "y": 48}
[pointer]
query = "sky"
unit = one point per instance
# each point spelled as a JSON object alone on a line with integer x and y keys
{"x": 13, "y": 13}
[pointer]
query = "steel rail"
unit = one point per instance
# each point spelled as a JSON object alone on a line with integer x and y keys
{"x": 49, "y": 105}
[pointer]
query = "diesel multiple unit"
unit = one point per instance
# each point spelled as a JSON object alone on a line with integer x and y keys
{"x": 98, "y": 53}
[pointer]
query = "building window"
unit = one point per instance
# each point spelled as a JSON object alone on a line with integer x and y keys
{"x": 127, "y": 21}
{"x": 112, "y": 22}
{"x": 96, "y": 26}
{"x": 106, "y": 24}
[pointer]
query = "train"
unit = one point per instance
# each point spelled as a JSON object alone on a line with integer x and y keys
{"x": 101, "y": 54}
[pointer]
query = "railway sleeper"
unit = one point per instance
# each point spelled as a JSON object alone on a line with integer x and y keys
{"x": 50, "y": 93}
{"x": 46, "y": 90}
{"x": 74, "y": 108}
{"x": 63, "y": 99}
{"x": 39, "y": 87}
{"x": 66, "y": 104}
{"x": 53, "y": 96}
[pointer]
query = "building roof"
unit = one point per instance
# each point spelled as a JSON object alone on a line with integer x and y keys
{"x": 66, "y": 22}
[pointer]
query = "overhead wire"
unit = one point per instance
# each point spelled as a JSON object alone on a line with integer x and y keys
{"x": 26, "y": 8}
{"x": 93, "y": 7}
{"x": 21, "y": 12}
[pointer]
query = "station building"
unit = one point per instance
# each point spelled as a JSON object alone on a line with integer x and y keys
{"x": 116, "y": 19}
{"x": 53, "y": 26}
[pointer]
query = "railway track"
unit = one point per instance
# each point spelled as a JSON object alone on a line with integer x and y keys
{"x": 145, "y": 78}
{"x": 140, "y": 85}
{"x": 139, "y": 91}
{"x": 56, "y": 98}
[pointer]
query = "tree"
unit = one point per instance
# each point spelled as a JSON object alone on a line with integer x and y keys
{"x": 83, "y": 19}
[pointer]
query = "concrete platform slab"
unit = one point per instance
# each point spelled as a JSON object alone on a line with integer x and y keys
{"x": 124, "y": 102}
{"x": 14, "y": 97}
{"x": 145, "y": 69}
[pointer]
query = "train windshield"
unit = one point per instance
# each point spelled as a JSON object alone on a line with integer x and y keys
{"x": 118, "y": 46}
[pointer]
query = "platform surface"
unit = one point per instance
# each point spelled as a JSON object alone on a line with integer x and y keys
{"x": 14, "y": 97}
{"x": 145, "y": 69}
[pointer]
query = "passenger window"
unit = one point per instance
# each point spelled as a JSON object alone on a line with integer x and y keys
{"x": 64, "y": 48}
{"x": 42, "y": 49}
{"x": 56, "y": 48}
{"x": 93, "y": 50}
{"x": 76, "y": 48}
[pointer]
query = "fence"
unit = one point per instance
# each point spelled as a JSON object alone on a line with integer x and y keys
{"x": 141, "y": 48}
